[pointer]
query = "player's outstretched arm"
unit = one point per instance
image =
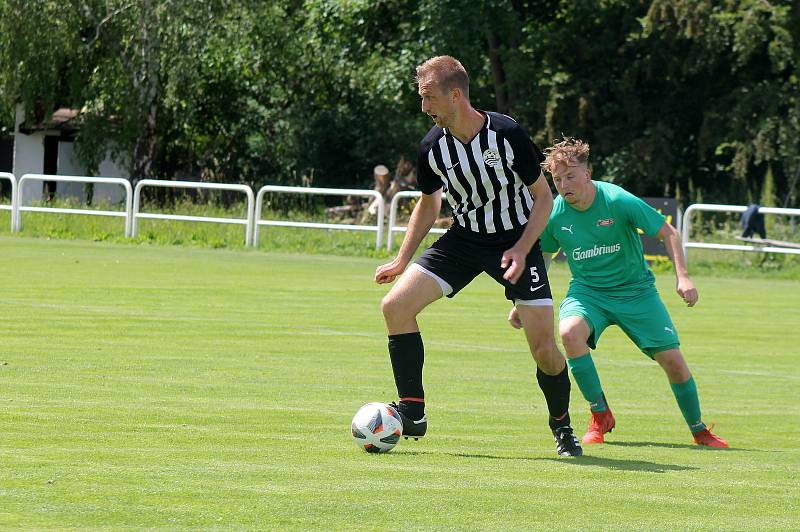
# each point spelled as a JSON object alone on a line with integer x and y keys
{"x": 422, "y": 219}
{"x": 513, "y": 260}
{"x": 672, "y": 242}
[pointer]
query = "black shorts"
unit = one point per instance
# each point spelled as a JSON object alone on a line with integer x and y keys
{"x": 456, "y": 258}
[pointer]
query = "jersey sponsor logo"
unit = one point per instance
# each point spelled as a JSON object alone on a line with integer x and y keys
{"x": 451, "y": 167}
{"x": 596, "y": 251}
{"x": 492, "y": 158}
{"x": 669, "y": 330}
{"x": 606, "y": 222}
{"x": 565, "y": 228}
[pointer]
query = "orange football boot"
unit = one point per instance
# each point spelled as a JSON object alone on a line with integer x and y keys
{"x": 600, "y": 423}
{"x": 708, "y": 439}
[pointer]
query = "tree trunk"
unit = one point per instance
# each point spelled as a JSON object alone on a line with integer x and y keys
{"x": 145, "y": 150}
{"x": 498, "y": 74}
{"x": 146, "y": 83}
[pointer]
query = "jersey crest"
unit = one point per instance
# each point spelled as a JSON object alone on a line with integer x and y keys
{"x": 492, "y": 158}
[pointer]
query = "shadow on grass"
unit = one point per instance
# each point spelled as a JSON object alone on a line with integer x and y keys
{"x": 671, "y": 446}
{"x": 621, "y": 465}
{"x": 652, "y": 444}
{"x": 592, "y": 461}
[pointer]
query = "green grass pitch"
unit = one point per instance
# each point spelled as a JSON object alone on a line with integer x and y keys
{"x": 167, "y": 387}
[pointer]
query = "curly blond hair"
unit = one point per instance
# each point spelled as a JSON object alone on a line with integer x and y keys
{"x": 568, "y": 152}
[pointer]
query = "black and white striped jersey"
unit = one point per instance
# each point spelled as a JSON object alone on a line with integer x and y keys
{"x": 486, "y": 180}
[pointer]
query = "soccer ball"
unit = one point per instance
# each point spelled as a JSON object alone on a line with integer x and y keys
{"x": 376, "y": 427}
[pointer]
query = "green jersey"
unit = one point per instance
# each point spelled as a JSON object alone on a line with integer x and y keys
{"x": 602, "y": 244}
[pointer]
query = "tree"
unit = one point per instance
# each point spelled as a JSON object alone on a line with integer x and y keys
{"x": 39, "y": 51}
{"x": 676, "y": 97}
{"x": 740, "y": 62}
{"x": 139, "y": 50}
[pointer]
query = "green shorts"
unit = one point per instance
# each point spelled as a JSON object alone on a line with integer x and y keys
{"x": 640, "y": 314}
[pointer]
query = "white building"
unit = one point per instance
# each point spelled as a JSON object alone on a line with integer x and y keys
{"x": 48, "y": 148}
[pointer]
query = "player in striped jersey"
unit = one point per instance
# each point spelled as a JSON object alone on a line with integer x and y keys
{"x": 489, "y": 168}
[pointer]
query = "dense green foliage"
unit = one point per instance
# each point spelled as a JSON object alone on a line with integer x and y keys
{"x": 174, "y": 388}
{"x": 696, "y": 99}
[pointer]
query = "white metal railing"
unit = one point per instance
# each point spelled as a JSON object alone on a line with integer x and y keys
{"x": 247, "y": 222}
{"x": 393, "y": 217}
{"x": 377, "y": 228}
{"x": 687, "y": 227}
{"x": 73, "y": 179}
{"x": 13, "y": 206}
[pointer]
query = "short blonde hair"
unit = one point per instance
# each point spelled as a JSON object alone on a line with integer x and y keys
{"x": 568, "y": 152}
{"x": 448, "y": 72}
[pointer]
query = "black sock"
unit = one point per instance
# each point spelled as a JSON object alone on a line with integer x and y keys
{"x": 556, "y": 423}
{"x": 412, "y": 409}
{"x": 408, "y": 355}
{"x": 556, "y": 390}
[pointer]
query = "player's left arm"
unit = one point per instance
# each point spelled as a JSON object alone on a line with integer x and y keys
{"x": 514, "y": 259}
{"x": 513, "y": 314}
{"x": 672, "y": 242}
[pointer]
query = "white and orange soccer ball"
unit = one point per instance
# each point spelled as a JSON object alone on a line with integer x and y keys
{"x": 376, "y": 427}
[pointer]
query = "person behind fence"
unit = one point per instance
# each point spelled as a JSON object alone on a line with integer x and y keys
{"x": 595, "y": 224}
{"x": 490, "y": 169}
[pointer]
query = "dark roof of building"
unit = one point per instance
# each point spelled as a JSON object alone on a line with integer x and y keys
{"x": 63, "y": 119}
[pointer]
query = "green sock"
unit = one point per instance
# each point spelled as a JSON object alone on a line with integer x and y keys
{"x": 588, "y": 380}
{"x": 689, "y": 403}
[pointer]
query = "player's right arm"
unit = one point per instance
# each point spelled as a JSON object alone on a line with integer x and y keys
{"x": 646, "y": 218}
{"x": 422, "y": 219}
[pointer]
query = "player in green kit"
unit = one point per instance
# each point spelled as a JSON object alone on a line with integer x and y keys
{"x": 595, "y": 224}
